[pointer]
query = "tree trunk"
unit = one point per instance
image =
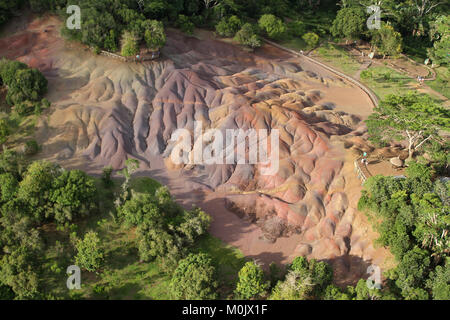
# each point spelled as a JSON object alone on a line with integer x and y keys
{"x": 410, "y": 150}
{"x": 410, "y": 153}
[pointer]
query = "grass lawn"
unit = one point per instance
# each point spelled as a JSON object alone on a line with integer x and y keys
{"x": 296, "y": 44}
{"x": 123, "y": 276}
{"x": 337, "y": 57}
{"x": 442, "y": 82}
{"x": 384, "y": 80}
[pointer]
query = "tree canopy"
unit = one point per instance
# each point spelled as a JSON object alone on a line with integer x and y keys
{"x": 194, "y": 278}
{"x": 272, "y": 26}
{"x": 440, "y": 34}
{"x": 413, "y": 220}
{"x": 251, "y": 282}
{"x": 387, "y": 41}
{"x": 411, "y": 117}
{"x": 350, "y": 23}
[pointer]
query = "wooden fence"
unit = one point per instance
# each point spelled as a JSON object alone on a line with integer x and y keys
{"x": 129, "y": 59}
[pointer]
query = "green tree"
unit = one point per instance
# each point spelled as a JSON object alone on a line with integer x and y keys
{"x": 248, "y": 37}
{"x": 73, "y": 195}
{"x": 363, "y": 292}
{"x": 106, "y": 177}
{"x": 8, "y": 186}
{"x": 251, "y": 282}
{"x": 17, "y": 271}
{"x": 90, "y": 254}
{"x": 110, "y": 43}
{"x": 24, "y": 84}
{"x": 439, "y": 282}
{"x": 440, "y": 35}
{"x": 228, "y": 26}
{"x": 296, "y": 28}
{"x": 387, "y": 41}
{"x": 411, "y": 117}
{"x": 304, "y": 280}
{"x": 311, "y": 39}
{"x": 411, "y": 273}
{"x": 134, "y": 210}
{"x": 185, "y": 24}
{"x": 272, "y": 26}
{"x": 8, "y": 70}
{"x": 36, "y": 188}
{"x": 12, "y": 162}
{"x": 163, "y": 230}
{"x": 334, "y": 293}
{"x": 4, "y": 131}
{"x": 29, "y": 84}
{"x": 194, "y": 278}
{"x": 350, "y": 23}
{"x": 129, "y": 44}
{"x": 433, "y": 223}
{"x": 154, "y": 36}
{"x": 131, "y": 165}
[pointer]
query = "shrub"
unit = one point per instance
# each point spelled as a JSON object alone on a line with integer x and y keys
{"x": 154, "y": 35}
{"x": 387, "y": 40}
{"x": 366, "y": 74}
{"x": 45, "y": 103}
{"x": 129, "y": 44}
{"x": 22, "y": 108}
{"x": 296, "y": 28}
{"x": 31, "y": 148}
{"x": 36, "y": 186}
{"x": 110, "y": 43}
{"x": 251, "y": 282}
{"x": 311, "y": 39}
{"x": 4, "y": 131}
{"x": 8, "y": 187}
{"x": 350, "y": 23}
{"x": 272, "y": 26}
{"x": 194, "y": 278}
{"x": 248, "y": 37}
{"x": 24, "y": 84}
{"x": 227, "y": 27}
{"x": 73, "y": 195}
{"x": 185, "y": 24}
{"x": 106, "y": 177}
{"x": 90, "y": 255}
{"x": 8, "y": 70}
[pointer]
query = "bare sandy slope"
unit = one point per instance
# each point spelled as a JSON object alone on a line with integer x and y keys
{"x": 105, "y": 111}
